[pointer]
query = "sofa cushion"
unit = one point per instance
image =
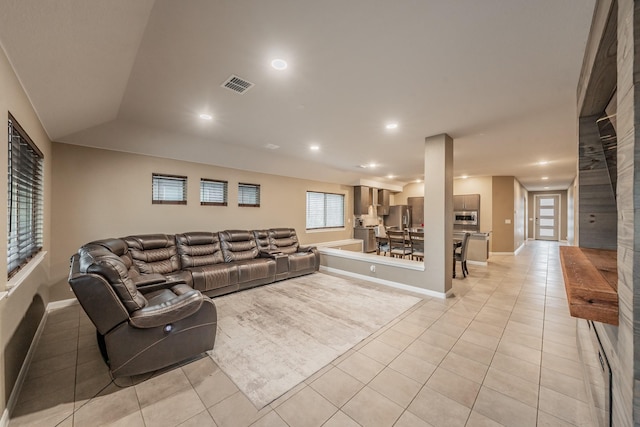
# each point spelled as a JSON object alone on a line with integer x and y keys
{"x": 302, "y": 262}
{"x": 97, "y": 259}
{"x": 260, "y": 270}
{"x": 199, "y": 248}
{"x": 262, "y": 240}
{"x": 238, "y": 245}
{"x": 214, "y": 276}
{"x": 283, "y": 240}
{"x": 154, "y": 253}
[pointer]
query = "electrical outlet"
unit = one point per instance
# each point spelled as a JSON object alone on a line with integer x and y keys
{"x": 372, "y": 268}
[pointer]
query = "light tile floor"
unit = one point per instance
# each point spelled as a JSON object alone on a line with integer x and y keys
{"x": 501, "y": 352}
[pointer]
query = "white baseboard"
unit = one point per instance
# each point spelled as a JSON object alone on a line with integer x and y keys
{"x": 61, "y": 304}
{"x": 4, "y": 421}
{"x": 517, "y": 251}
{"x": 15, "y": 393}
{"x": 396, "y": 285}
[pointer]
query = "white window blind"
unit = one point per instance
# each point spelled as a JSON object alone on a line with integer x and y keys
{"x": 24, "y": 220}
{"x": 169, "y": 189}
{"x": 249, "y": 195}
{"x": 213, "y": 192}
{"x": 324, "y": 210}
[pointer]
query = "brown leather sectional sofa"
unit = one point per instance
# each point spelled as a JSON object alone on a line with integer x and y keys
{"x": 146, "y": 294}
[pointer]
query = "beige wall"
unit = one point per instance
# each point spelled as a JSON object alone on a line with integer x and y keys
{"x": 101, "y": 193}
{"x": 14, "y": 307}
{"x": 479, "y": 185}
{"x": 414, "y": 189}
{"x": 520, "y": 214}
{"x": 482, "y": 185}
{"x": 503, "y": 211}
{"x": 564, "y": 211}
{"x": 572, "y": 203}
{"x": 501, "y": 198}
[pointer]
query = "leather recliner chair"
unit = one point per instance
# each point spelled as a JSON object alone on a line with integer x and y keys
{"x": 139, "y": 331}
{"x": 302, "y": 259}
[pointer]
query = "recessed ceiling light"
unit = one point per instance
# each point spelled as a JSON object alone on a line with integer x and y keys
{"x": 372, "y": 165}
{"x": 314, "y": 147}
{"x": 545, "y": 178}
{"x": 546, "y": 188}
{"x": 279, "y": 64}
{"x": 391, "y": 126}
{"x": 543, "y": 162}
{"x": 204, "y": 116}
{"x": 363, "y": 166}
{"x": 464, "y": 176}
{"x": 418, "y": 180}
{"x": 272, "y": 146}
{"x": 390, "y": 176}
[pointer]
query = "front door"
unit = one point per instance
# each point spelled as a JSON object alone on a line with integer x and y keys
{"x": 547, "y": 217}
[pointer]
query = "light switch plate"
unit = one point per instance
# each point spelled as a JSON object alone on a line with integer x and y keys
{"x": 507, "y": 221}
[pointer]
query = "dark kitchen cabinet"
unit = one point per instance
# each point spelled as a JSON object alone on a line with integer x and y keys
{"x": 361, "y": 199}
{"x": 383, "y": 202}
{"x": 466, "y": 202}
{"x": 417, "y": 210}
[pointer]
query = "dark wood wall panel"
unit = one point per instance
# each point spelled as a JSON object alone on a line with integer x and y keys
{"x": 596, "y": 199}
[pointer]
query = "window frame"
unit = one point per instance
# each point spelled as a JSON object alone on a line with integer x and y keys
{"x": 225, "y": 192}
{"x": 248, "y": 185}
{"x": 325, "y": 227}
{"x": 155, "y": 201}
{"x": 34, "y": 199}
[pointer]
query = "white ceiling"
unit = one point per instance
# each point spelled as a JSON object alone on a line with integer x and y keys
{"x": 499, "y": 76}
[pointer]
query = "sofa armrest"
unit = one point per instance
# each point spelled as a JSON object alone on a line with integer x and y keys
{"x": 271, "y": 253}
{"x": 148, "y": 279}
{"x": 307, "y": 248}
{"x": 162, "y": 282}
{"x": 169, "y": 311}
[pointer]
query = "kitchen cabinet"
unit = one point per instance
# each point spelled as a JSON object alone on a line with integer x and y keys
{"x": 383, "y": 202}
{"x": 368, "y": 237}
{"x": 466, "y": 202}
{"x": 417, "y": 210}
{"x": 361, "y": 199}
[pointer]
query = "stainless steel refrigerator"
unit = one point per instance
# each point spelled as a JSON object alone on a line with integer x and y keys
{"x": 399, "y": 217}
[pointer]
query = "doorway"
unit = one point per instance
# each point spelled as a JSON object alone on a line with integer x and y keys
{"x": 547, "y": 213}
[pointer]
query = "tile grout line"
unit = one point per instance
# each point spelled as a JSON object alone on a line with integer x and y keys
{"x": 450, "y": 350}
{"x": 496, "y": 351}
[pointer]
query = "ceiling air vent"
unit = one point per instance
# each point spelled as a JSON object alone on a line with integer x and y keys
{"x": 237, "y": 84}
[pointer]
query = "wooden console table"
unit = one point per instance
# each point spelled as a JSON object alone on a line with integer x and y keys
{"x": 591, "y": 282}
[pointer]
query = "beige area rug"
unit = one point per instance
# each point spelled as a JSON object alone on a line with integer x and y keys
{"x": 273, "y": 337}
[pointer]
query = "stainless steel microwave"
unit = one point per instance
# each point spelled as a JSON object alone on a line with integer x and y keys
{"x": 465, "y": 218}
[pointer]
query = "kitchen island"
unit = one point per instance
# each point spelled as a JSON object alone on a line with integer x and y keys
{"x": 478, "y": 252}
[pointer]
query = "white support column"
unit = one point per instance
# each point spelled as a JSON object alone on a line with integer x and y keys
{"x": 438, "y": 212}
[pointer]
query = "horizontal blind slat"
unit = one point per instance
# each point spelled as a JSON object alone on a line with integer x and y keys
{"x": 25, "y": 198}
{"x": 324, "y": 210}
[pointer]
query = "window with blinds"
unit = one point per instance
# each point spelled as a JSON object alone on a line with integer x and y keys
{"x": 249, "y": 195}
{"x": 25, "y": 214}
{"x": 213, "y": 192}
{"x": 324, "y": 210}
{"x": 169, "y": 189}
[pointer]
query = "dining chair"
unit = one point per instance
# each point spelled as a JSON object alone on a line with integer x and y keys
{"x": 382, "y": 245}
{"x": 461, "y": 255}
{"x": 416, "y": 238}
{"x": 398, "y": 244}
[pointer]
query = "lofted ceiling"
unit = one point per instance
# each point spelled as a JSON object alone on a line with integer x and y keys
{"x": 499, "y": 76}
